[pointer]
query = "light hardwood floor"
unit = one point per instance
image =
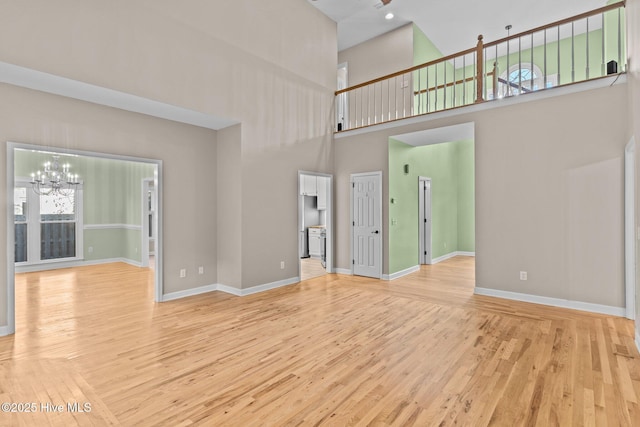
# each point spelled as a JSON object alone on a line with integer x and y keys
{"x": 310, "y": 268}
{"x": 336, "y": 350}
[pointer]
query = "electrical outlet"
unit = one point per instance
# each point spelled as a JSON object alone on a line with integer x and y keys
{"x": 523, "y": 275}
{"x": 281, "y": 265}
{"x": 200, "y": 270}
{"x": 183, "y": 273}
{"x": 394, "y": 221}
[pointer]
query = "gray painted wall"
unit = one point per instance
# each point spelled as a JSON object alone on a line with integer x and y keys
{"x": 549, "y": 193}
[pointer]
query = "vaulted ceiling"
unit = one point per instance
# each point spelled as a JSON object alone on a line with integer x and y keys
{"x": 452, "y": 25}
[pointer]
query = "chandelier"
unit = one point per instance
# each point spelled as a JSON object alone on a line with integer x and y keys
{"x": 55, "y": 179}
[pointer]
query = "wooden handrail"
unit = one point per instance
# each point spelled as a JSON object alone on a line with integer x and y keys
{"x": 457, "y": 82}
{"x": 408, "y": 70}
{"x": 600, "y": 10}
{"x": 479, "y": 58}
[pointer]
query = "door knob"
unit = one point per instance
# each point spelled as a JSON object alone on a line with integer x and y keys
{"x": 375, "y": 232}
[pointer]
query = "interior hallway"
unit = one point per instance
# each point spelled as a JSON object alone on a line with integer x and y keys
{"x": 334, "y": 350}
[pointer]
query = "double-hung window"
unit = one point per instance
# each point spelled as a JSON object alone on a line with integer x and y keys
{"x": 48, "y": 227}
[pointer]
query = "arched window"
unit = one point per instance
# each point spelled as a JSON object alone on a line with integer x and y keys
{"x": 523, "y": 78}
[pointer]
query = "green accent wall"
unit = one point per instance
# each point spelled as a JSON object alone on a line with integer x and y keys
{"x": 451, "y": 169}
{"x": 112, "y": 195}
{"x": 572, "y": 66}
{"x": 423, "y": 49}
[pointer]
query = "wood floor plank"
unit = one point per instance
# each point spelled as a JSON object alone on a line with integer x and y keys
{"x": 334, "y": 350}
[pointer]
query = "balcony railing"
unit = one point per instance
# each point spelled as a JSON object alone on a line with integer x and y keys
{"x": 584, "y": 47}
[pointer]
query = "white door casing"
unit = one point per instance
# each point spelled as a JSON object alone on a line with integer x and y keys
{"x": 424, "y": 217}
{"x": 366, "y": 224}
{"x": 630, "y": 229}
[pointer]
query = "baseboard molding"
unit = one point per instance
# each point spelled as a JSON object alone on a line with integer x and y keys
{"x": 189, "y": 292}
{"x": 77, "y": 263}
{"x": 4, "y": 331}
{"x": 464, "y": 253}
{"x": 111, "y": 260}
{"x": 554, "y": 302}
{"x": 267, "y": 286}
{"x": 401, "y": 273}
{"x": 229, "y": 290}
{"x": 451, "y": 255}
{"x": 343, "y": 271}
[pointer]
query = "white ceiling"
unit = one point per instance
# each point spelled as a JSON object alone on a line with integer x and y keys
{"x": 452, "y": 25}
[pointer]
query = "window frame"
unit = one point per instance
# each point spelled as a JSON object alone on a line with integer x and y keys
{"x": 34, "y": 224}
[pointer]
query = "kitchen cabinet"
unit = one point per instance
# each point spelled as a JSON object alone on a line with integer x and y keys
{"x": 322, "y": 183}
{"x": 315, "y": 235}
{"x": 308, "y": 185}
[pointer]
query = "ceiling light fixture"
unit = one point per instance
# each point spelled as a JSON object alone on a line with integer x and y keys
{"x": 54, "y": 179}
{"x": 388, "y": 16}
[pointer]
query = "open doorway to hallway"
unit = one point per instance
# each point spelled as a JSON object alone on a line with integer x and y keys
{"x": 432, "y": 197}
{"x": 315, "y": 230}
{"x": 108, "y": 219}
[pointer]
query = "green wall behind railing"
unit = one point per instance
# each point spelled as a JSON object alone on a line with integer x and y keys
{"x": 112, "y": 195}
{"x": 425, "y": 51}
{"x": 451, "y": 169}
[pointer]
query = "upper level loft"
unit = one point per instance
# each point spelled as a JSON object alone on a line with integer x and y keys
{"x": 581, "y": 48}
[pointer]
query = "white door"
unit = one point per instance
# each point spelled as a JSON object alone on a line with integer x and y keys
{"x": 424, "y": 203}
{"x": 366, "y": 210}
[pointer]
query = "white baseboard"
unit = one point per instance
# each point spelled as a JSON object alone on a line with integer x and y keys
{"x": 451, "y": 255}
{"x": 464, "y": 253}
{"x": 70, "y": 264}
{"x": 343, "y": 271}
{"x": 258, "y": 288}
{"x": 188, "y": 292}
{"x": 111, "y": 260}
{"x": 401, "y": 273}
{"x": 554, "y": 302}
{"x": 229, "y": 289}
{"x": 4, "y": 331}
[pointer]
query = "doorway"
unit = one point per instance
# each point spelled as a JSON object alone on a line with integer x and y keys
{"x": 424, "y": 219}
{"x": 149, "y": 226}
{"x": 315, "y": 224}
{"x": 87, "y": 252}
{"x": 366, "y": 224}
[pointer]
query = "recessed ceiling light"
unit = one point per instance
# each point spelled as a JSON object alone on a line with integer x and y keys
{"x": 388, "y": 16}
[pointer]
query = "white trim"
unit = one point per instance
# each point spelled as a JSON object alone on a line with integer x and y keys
{"x": 463, "y": 253}
{"x": 401, "y": 273}
{"x": 451, "y": 255}
{"x": 188, "y": 292}
{"x": 10, "y": 279}
{"x": 268, "y": 286}
{"x": 344, "y": 271}
{"x": 76, "y": 263}
{"x": 50, "y": 83}
{"x": 638, "y": 340}
{"x": 489, "y": 105}
{"x": 229, "y": 290}
{"x": 4, "y": 331}
{"x": 112, "y": 226}
{"x": 425, "y": 249}
{"x": 629, "y": 228}
{"x": 554, "y": 302}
